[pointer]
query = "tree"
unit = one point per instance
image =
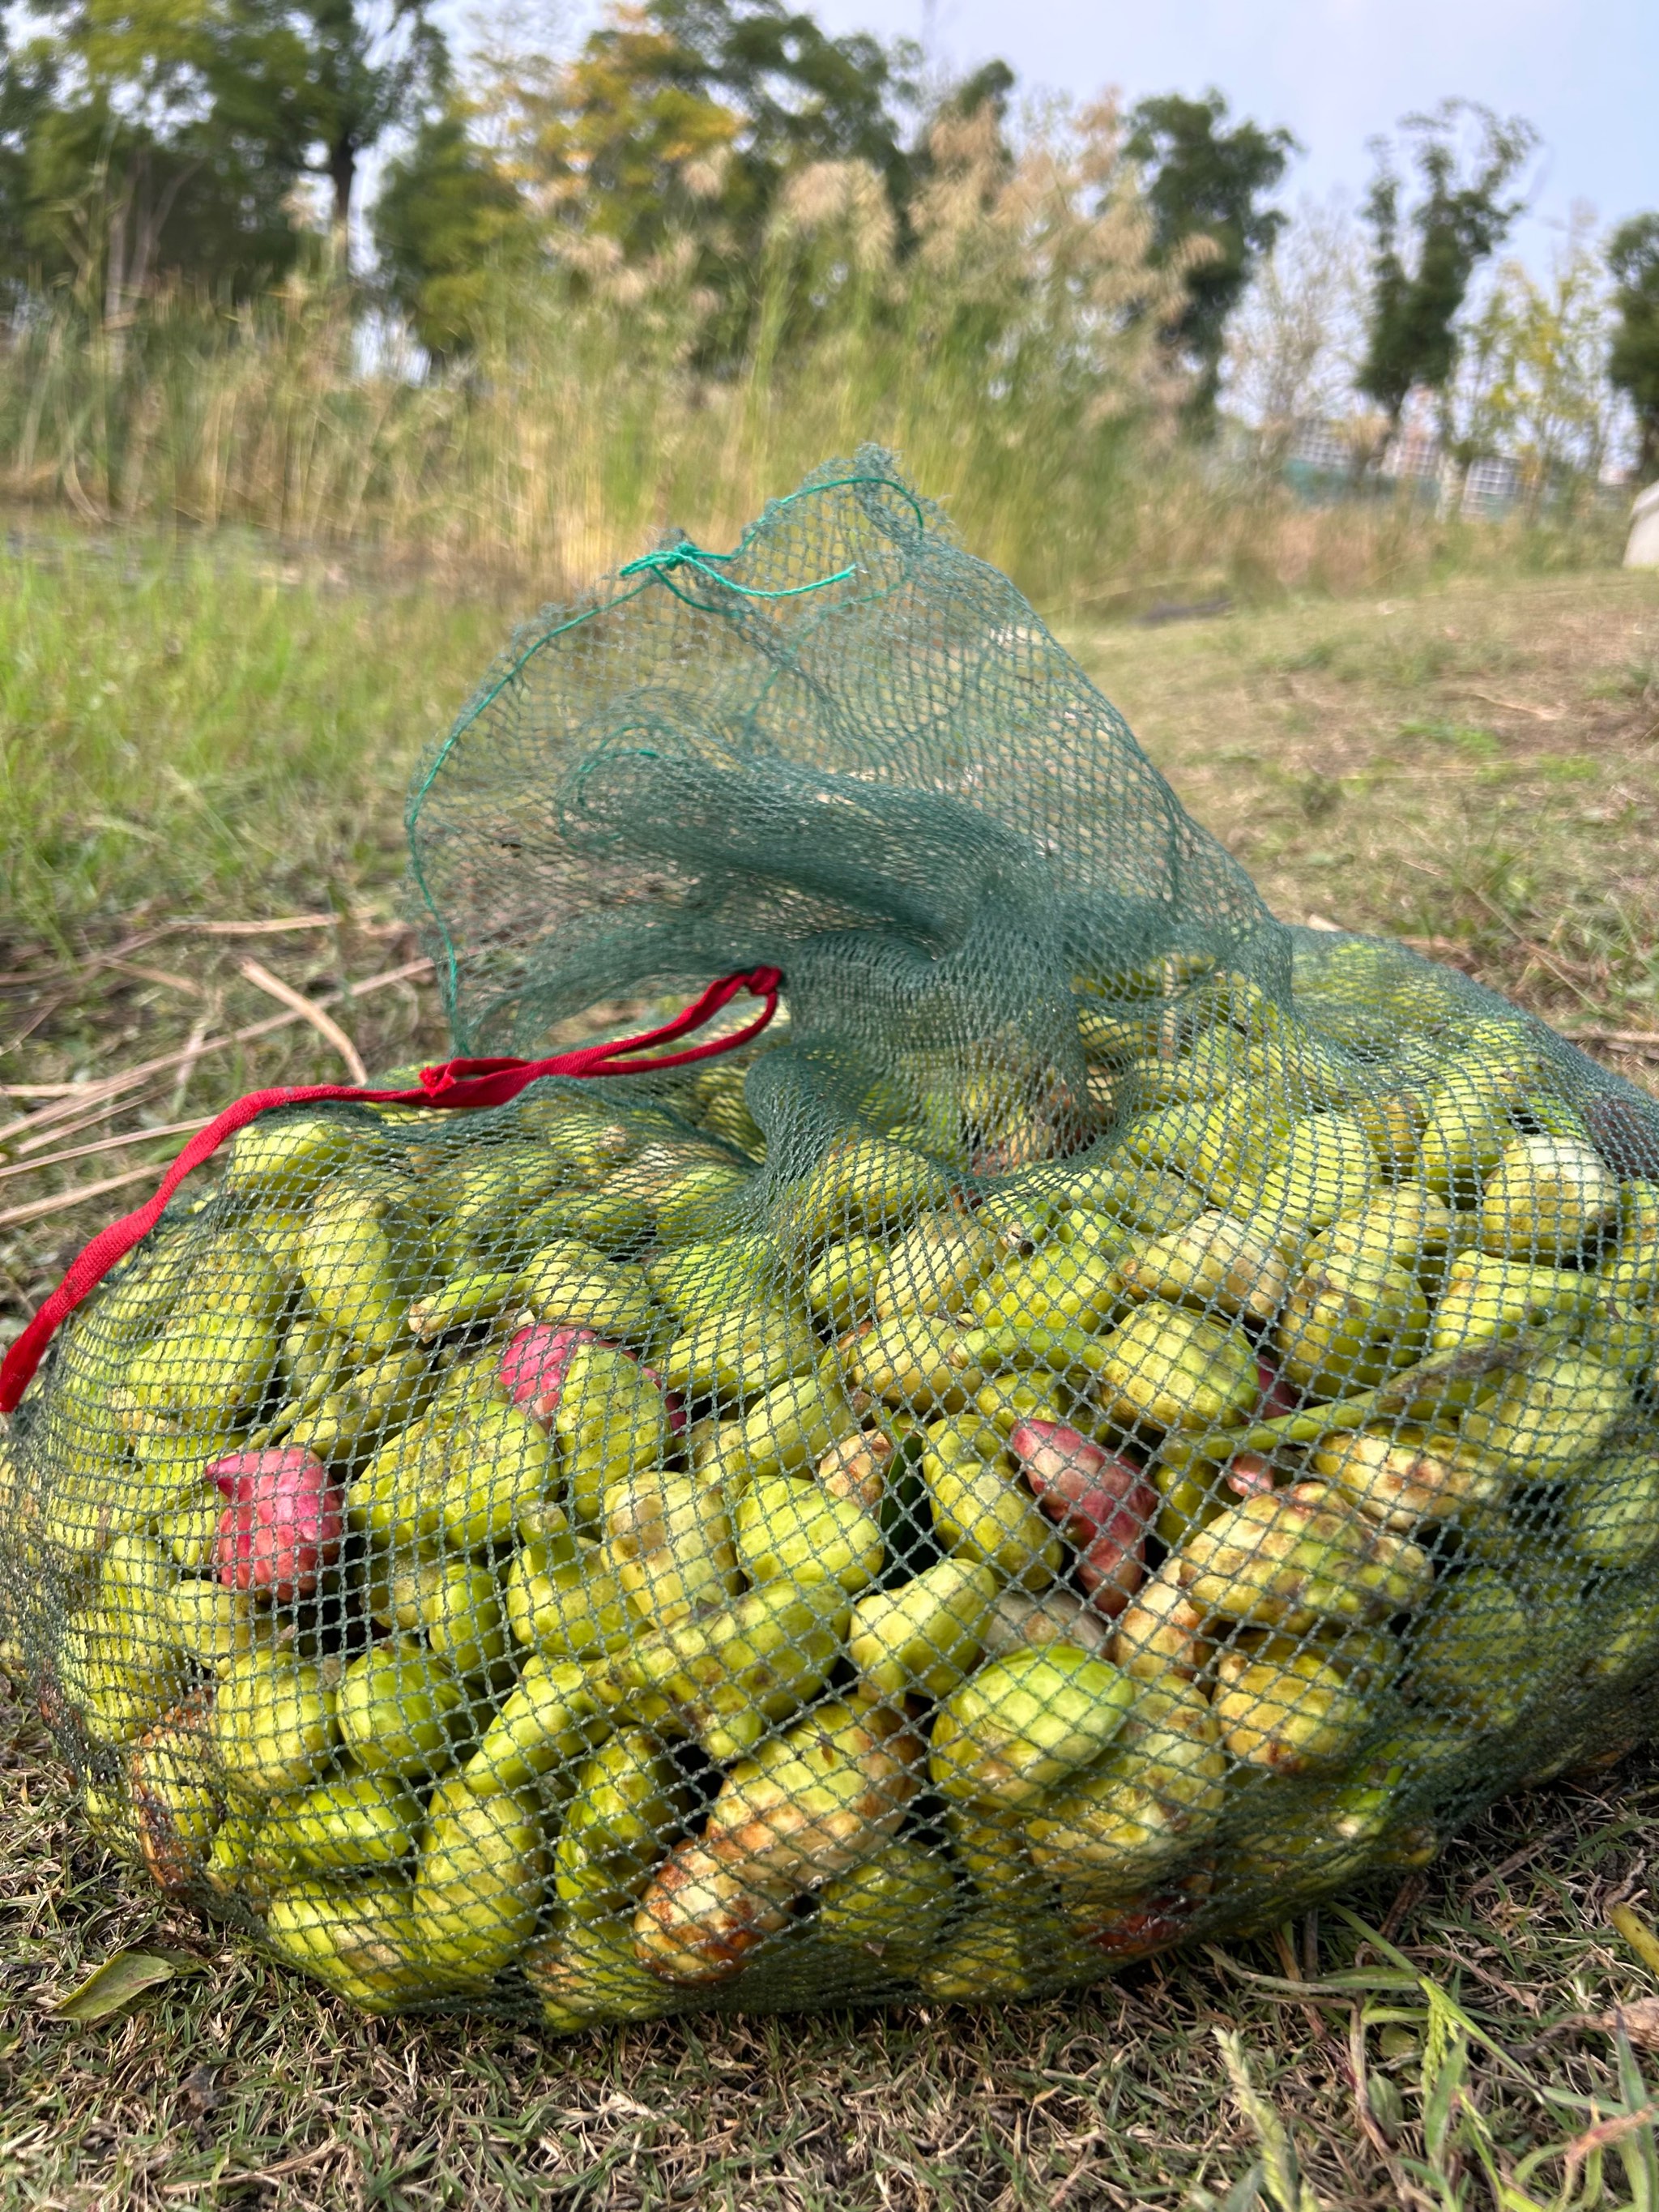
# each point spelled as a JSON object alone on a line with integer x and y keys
{"x": 1532, "y": 375}
{"x": 1203, "y": 181}
{"x": 28, "y": 83}
{"x": 446, "y": 217}
{"x": 674, "y": 128}
{"x": 180, "y": 127}
{"x": 320, "y": 82}
{"x": 1633, "y": 359}
{"x": 1295, "y": 340}
{"x": 1461, "y": 217}
{"x": 128, "y": 169}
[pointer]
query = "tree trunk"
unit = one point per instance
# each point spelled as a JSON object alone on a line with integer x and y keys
{"x": 343, "y": 175}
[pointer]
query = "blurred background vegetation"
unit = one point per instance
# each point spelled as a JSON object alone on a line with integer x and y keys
{"x": 297, "y": 267}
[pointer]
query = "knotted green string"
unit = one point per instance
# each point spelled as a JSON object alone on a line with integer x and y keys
{"x": 687, "y": 555}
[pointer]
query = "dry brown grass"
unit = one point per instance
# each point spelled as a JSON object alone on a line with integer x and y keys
{"x": 1475, "y": 769}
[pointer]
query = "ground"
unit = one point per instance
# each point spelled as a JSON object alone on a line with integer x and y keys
{"x": 204, "y": 741}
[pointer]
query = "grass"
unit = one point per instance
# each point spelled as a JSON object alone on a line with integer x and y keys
{"x": 175, "y": 729}
{"x": 1051, "y": 443}
{"x": 1478, "y": 770}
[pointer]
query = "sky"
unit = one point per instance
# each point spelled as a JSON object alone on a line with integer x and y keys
{"x": 1339, "y": 72}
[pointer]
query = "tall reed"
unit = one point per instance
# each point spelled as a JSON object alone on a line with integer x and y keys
{"x": 1012, "y": 359}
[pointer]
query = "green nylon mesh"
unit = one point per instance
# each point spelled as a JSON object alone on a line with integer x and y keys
{"x": 1112, "y": 1419}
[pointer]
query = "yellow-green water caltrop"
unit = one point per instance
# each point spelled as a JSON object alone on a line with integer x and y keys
{"x": 274, "y": 1720}
{"x": 1475, "y": 1648}
{"x": 1610, "y": 1509}
{"x": 401, "y": 1711}
{"x": 791, "y": 1525}
{"x": 982, "y": 1512}
{"x": 1546, "y": 1197}
{"x": 1488, "y": 1296}
{"x": 1170, "y": 1369}
{"x": 1462, "y": 1143}
{"x": 1402, "y": 1476}
{"x": 1152, "y": 1798}
{"x": 1406, "y": 1226}
{"x": 1026, "y": 1722}
{"x": 919, "y": 1361}
{"x": 810, "y": 1806}
{"x": 841, "y": 1287}
{"x": 1552, "y": 1416}
{"x": 890, "y": 1909}
{"x": 1322, "y": 1168}
{"x": 358, "y": 1936}
{"x": 214, "y": 1625}
{"x": 791, "y": 1428}
{"x": 563, "y": 1597}
{"x": 570, "y": 1282}
{"x": 584, "y": 1970}
{"x": 292, "y": 1153}
{"x": 629, "y": 1803}
{"x": 726, "y": 1677}
{"x": 1216, "y": 1263}
{"x": 1288, "y": 1558}
{"x": 741, "y": 1353}
{"x": 483, "y": 1874}
{"x": 862, "y": 1183}
{"x": 1060, "y": 1283}
{"x": 1292, "y": 1712}
{"x": 704, "y": 1281}
{"x": 365, "y": 1254}
{"x": 936, "y": 1266}
{"x": 668, "y": 1541}
{"x": 458, "y": 1607}
{"x": 360, "y": 1820}
{"x": 927, "y": 1635}
{"x": 553, "y": 1718}
{"x": 119, "y": 1688}
{"x": 1348, "y": 1327}
{"x": 498, "y": 1463}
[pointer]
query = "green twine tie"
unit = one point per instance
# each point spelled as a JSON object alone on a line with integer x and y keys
{"x": 687, "y": 555}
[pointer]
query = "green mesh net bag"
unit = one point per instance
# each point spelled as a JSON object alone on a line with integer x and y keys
{"x": 1110, "y": 1420}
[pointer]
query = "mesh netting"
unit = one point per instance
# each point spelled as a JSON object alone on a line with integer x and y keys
{"x": 1115, "y": 1418}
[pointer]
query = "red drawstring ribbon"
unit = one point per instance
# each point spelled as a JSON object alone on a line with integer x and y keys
{"x": 459, "y": 1082}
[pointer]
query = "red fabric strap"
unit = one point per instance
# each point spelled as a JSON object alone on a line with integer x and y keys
{"x": 458, "y": 1083}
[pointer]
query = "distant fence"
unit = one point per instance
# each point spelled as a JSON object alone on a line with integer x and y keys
{"x": 1321, "y": 465}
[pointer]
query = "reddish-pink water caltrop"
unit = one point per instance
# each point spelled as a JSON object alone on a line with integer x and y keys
{"x": 536, "y": 1362}
{"x": 1103, "y": 1504}
{"x": 284, "y": 1522}
{"x": 1278, "y": 1397}
{"x": 537, "y": 1359}
{"x": 1247, "y": 1473}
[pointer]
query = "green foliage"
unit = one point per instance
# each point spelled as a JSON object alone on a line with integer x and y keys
{"x": 675, "y": 128}
{"x": 1633, "y": 361}
{"x": 1205, "y": 182}
{"x": 806, "y": 96}
{"x": 321, "y": 83}
{"x": 445, "y": 220}
{"x": 28, "y": 83}
{"x": 121, "y": 170}
{"x": 1532, "y": 378}
{"x": 1461, "y": 217}
{"x": 146, "y": 141}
